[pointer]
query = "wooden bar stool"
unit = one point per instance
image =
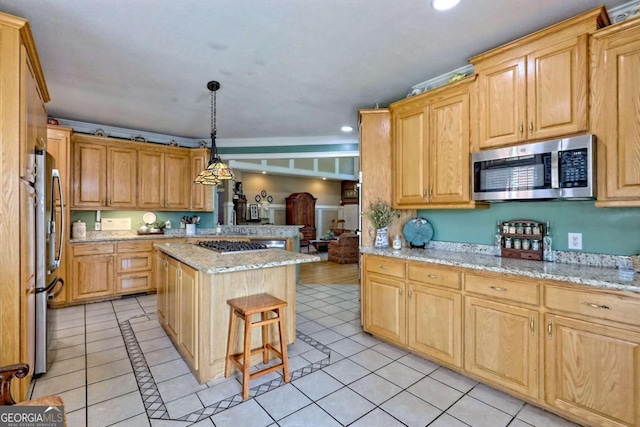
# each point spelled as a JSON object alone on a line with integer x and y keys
{"x": 243, "y": 308}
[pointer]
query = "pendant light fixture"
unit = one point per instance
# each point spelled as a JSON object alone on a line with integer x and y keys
{"x": 216, "y": 171}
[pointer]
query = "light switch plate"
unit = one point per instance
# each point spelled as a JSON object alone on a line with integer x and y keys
{"x": 575, "y": 241}
{"x": 113, "y": 224}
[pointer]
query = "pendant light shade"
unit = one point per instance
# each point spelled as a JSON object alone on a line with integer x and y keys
{"x": 216, "y": 171}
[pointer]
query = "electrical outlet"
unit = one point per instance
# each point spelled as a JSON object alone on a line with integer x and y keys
{"x": 575, "y": 241}
{"x": 97, "y": 226}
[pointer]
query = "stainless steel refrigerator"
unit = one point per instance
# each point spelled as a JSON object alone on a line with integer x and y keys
{"x": 49, "y": 238}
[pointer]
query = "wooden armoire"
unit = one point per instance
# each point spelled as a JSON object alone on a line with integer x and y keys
{"x": 301, "y": 210}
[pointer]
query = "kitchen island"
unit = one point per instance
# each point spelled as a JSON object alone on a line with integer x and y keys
{"x": 194, "y": 284}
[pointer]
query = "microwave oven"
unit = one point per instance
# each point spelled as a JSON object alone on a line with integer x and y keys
{"x": 556, "y": 169}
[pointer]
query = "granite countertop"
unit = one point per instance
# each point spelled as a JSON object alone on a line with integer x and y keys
{"x": 211, "y": 262}
{"x": 601, "y": 277}
{"x": 277, "y": 232}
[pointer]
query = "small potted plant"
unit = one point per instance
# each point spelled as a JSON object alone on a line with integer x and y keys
{"x": 381, "y": 215}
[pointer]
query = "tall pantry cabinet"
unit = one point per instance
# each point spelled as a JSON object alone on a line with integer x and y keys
{"x": 23, "y": 93}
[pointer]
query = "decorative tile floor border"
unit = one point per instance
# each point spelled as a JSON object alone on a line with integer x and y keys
{"x": 152, "y": 399}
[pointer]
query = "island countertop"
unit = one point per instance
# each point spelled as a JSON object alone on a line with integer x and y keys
{"x": 211, "y": 262}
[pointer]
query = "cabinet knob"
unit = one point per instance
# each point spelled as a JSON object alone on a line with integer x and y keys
{"x": 432, "y": 276}
{"x": 521, "y": 128}
{"x": 498, "y": 288}
{"x": 532, "y": 324}
{"x": 531, "y": 126}
{"x": 384, "y": 267}
{"x": 549, "y": 328}
{"x": 400, "y": 291}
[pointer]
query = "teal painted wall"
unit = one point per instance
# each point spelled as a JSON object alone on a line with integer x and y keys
{"x": 207, "y": 219}
{"x": 614, "y": 231}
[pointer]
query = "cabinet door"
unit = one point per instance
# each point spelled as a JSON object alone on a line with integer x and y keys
{"x": 503, "y": 103}
{"x": 435, "y": 323}
{"x": 89, "y": 175}
{"x": 121, "y": 177}
{"x": 172, "y": 296}
{"x": 557, "y": 79}
{"x": 385, "y": 308}
{"x": 411, "y": 172}
{"x": 201, "y": 195}
{"x": 151, "y": 182}
{"x": 615, "y": 106}
{"x": 92, "y": 276}
{"x": 593, "y": 371}
{"x": 161, "y": 268}
{"x": 177, "y": 182}
{"x": 501, "y": 344}
{"x": 188, "y": 312}
{"x": 449, "y": 150}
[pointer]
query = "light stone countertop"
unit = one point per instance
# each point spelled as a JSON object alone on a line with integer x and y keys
{"x": 212, "y": 262}
{"x": 275, "y": 232}
{"x": 601, "y": 277}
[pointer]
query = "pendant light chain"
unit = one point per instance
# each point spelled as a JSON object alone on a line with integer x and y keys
{"x": 214, "y": 131}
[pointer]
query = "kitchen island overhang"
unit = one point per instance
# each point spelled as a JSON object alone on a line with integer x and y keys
{"x": 194, "y": 285}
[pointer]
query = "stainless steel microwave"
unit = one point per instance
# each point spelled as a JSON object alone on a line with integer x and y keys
{"x": 556, "y": 169}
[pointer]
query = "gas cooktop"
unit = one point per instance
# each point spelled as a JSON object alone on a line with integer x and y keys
{"x": 227, "y": 247}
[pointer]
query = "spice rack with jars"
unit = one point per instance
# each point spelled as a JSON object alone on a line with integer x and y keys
{"x": 522, "y": 239}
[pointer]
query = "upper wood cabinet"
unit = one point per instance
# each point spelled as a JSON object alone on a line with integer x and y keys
{"x": 23, "y": 118}
{"x": 201, "y": 195}
{"x": 537, "y": 87}
{"x": 59, "y": 146}
{"x": 615, "y": 107}
{"x": 164, "y": 179}
{"x": 104, "y": 176}
{"x": 431, "y": 145}
{"x": 116, "y": 174}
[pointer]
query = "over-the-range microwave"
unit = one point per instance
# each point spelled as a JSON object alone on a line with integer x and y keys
{"x": 556, "y": 169}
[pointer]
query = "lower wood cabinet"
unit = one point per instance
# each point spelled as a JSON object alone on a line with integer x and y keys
{"x": 188, "y": 313}
{"x": 593, "y": 371}
{"x": 573, "y": 350}
{"x": 92, "y": 271}
{"x": 385, "y": 308}
{"x": 161, "y": 265}
{"x": 501, "y": 344}
{"x": 435, "y": 323}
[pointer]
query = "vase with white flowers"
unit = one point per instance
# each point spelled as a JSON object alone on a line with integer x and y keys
{"x": 381, "y": 215}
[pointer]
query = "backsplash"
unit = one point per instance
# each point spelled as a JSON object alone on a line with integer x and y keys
{"x": 561, "y": 257}
{"x": 207, "y": 219}
{"x": 612, "y": 231}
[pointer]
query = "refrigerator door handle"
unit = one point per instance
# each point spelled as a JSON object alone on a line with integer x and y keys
{"x": 50, "y": 286}
{"x": 55, "y": 261}
{"x": 53, "y": 295}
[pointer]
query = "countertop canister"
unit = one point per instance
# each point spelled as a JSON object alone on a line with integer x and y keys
{"x": 79, "y": 230}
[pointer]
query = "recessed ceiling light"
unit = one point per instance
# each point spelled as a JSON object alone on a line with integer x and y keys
{"x": 444, "y": 4}
{"x": 346, "y": 128}
{"x": 324, "y": 178}
{"x": 264, "y": 172}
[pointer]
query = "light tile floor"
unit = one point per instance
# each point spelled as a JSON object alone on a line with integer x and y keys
{"x": 114, "y": 365}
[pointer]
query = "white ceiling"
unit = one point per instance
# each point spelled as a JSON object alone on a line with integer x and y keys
{"x": 288, "y": 68}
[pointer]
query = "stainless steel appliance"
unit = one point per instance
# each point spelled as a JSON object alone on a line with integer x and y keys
{"x": 49, "y": 244}
{"x": 557, "y": 169}
{"x": 227, "y": 247}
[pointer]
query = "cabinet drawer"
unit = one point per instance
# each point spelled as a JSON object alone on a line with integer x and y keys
{"x": 92, "y": 249}
{"x": 140, "y": 261}
{"x": 387, "y": 267}
{"x": 434, "y": 275}
{"x": 133, "y": 283}
{"x": 593, "y": 304}
{"x": 527, "y": 292}
{"x": 133, "y": 246}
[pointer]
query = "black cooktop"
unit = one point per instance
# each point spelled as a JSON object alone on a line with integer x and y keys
{"x": 226, "y": 246}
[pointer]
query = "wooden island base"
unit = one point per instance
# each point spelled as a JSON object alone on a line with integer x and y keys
{"x": 193, "y": 310}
